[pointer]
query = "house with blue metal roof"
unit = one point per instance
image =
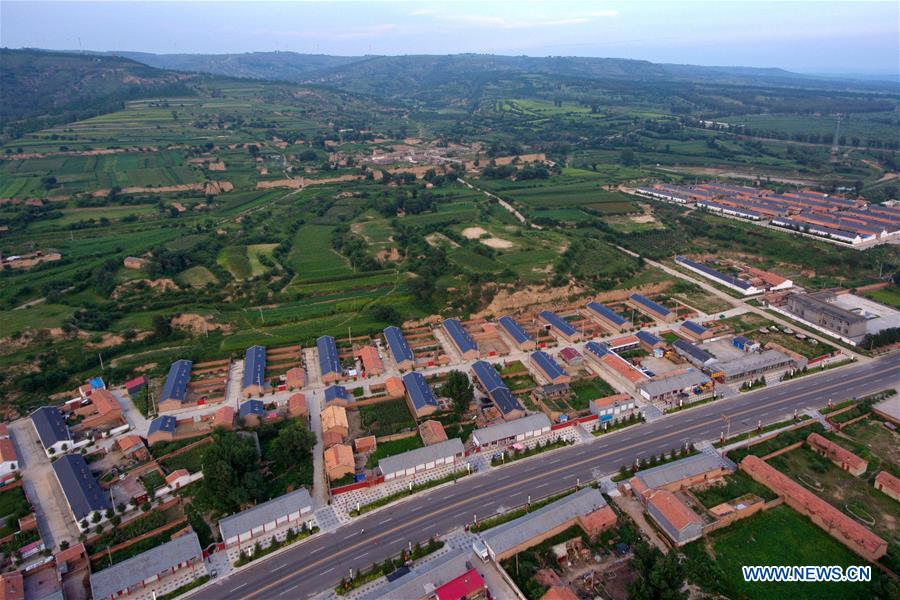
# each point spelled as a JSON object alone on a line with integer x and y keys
{"x": 735, "y": 283}
{"x": 491, "y": 382}
{"x": 560, "y": 326}
{"x": 547, "y": 366}
{"x": 517, "y": 334}
{"x": 329, "y": 359}
{"x": 51, "y": 428}
{"x": 649, "y": 341}
{"x": 162, "y": 429}
{"x": 651, "y": 308}
{"x": 607, "y": 316}
{"x": 486, "y": 375}
{"x": 400, "y": 349}
{"x": 694, "y": 354}
{"x": 175, "y": 390}
{"x": 254, "y": 378}
{"x": 337, "y": 394}
{"x": 461, "y": 338}
{"x": 695, "y": 331}
{"x": 81, "y": 490}
{"x": 252, "y": 412}
{"x": 419, "y": 396}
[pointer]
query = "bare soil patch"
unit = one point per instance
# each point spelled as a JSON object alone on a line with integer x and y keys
{"x": 197, "y": 323}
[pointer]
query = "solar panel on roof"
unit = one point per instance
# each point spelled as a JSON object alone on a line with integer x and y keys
{"x": 648, "y": 338}
{"x": 713, "y": 273}
{"x": 596, "y": 349}
{"x": 334, "y": 392}
{"x": 487, "y": 375}
{"x": 606, "y": 313}
{"x": 558, "y": 322}
{"x": 505, "y": 401}
{"x": 397, "y": 343}
{"x": 514, "y": 330}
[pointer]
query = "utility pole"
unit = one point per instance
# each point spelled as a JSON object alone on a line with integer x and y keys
{"x": 100, "y": 356}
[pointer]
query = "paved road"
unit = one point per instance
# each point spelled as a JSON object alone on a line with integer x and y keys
{"x": 319, "y": 563}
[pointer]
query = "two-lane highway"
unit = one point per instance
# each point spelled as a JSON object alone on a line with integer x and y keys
{"x": 319, "y": 563}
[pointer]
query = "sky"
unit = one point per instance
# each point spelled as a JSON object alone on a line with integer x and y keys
{"x": 813, "y": 37}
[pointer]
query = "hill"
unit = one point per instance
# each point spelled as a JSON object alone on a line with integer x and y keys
{"x": 40, "y": 88}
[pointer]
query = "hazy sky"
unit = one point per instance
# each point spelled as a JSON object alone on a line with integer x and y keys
{"x": 859, "y": 37}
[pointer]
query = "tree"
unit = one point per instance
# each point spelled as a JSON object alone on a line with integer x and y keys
{"x": 459, "y": 389}
{"x": 660, "y": 576}
{"x": 293, "y": 443}
{"x": 230, "y": 474}
{"x": 162, "y": 328}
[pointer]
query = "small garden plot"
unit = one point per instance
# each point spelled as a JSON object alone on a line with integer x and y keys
{"x": 779, "y": 536}
{"x": 803, "y": 347}
{"x": 198, "y": 276}
{"x": 745, "y": 323}
{"x": 13, "y": 506}
{"x": 516, "y": 376}
{"x": 585, "y": 390}
{"x": 735, "y": 485}
{"x": 391, "y": 448}
{"x": 854, "y": 496}
{"x": 152, "y": 481}
{"x": 776, "y": 443}
{"x": 386, "y": 418}
{"x": 695, "y": 296}
{"x": 192, "y": 459}
{"x": 878, "y": 439}
{"x": 260, "y": 258}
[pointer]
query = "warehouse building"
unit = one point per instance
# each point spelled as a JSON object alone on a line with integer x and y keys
{"x": 536, "y": 526}
{"x": 732, "y": 211}
{"x": 695, "y": 355}
{"x": 490, "y": 381}
{"x": 517, "y": 334}
{"x": 162, "y": 429}
{"x": 419, "y": 396}
{"x": 174, "y": 391}
{"x": 651, "y": 308}
{"x": 152, "y": 573}
{"x": 253, "y": 382}
{"x": 819, "y": 310}
{"x": 85, "y": 497}
{"x": 421, "y": 459}
{"x": 753, "y": 365}
{"x": 512, "y": 432}
{"x": 559, "y": 326}
{"x": 695, "y": 331}
{"x": 607, "y": 317}
{"x": 737, "y": 284}
{"x": 260, "y": 523}
{"x": 548, "y": 367}
{"x": 329, "y": 359}
{"x": 674, "y": 387}
{"x": 52, "y": 430}
{"x": 399, "y": 347}
{"x": 461, "y": 339}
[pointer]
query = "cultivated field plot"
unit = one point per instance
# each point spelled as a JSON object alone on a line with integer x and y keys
{"x": 854, "y": 496}
{"x": 779, "y": 536}
{"x": 386, "y": 418}
{"x": 563, "y": 192}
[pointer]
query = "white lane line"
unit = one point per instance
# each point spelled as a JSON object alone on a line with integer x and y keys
{"x": 386, "y": 520}
{"x": 293, "y": 587}
{"x": 328, "y": 570}
{"x": 279, "y": 568}
{"x": 543, "y": 485}
{"x": 239, "y": 587}
{"x": 363, "y": 555}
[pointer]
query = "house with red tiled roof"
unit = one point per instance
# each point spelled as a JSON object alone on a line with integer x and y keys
{"x": 103, "y": 412}
{"x": 133, "y": 445}
{"x": 888, "y": 484}
{"x": 224, "y": 417}
{"x": 178, "y": 478}
{"x": 432, "y": 432}
{"x": 297, "y": 406}
{"x": 560, "y": 592}
{"x": 339, "y": 462}
{"x": 837, "y": 454}
{"x": 371, "y": 361}
{"x": 9, "y": 460}
{"x": 394, "y": 387}
{"x": 12, "y": 586}
{"x": 365, "y": 444}
{"x": 598, "y": 521}
{"x": 295, "y": 378}
{"x": 844, "y": 529}
{"x": 675, "y": 518}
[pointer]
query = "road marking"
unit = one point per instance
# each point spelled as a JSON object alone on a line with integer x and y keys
{"x": 279, "y": 568}
{"x": 815, "y": 392}
{"x": 543, "y": 485}
{"x": 239, "y": 587}
{"x": 364, "y": 554}
{"x": 328, "y": 570}
{"x": 290, "y": 589}
{"x": 386, "y": 520}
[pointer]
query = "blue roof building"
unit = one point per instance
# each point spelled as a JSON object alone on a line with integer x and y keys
{"x": 461, "y": 338}
{"x": 487, "y": 375}
{"x": 508, "y": 405}
{"x": 97, "y": 383}
{"x": 695, "y": 355}
{"x": 81, "y": 489}
{"x": 649, "y": 339}
{"x": 517, "y": 333}
{"x": 337, "y": 393}
{"x": 51, "y": 428}
{"x": 549, "y": 367}
{"x": 419, "y": 394}
{"x": 735, "y": 283}
{"x": 252, "y": 408}
{"x": 399, "y": 347}
{"x": 596, "y": 349}
{"x": 329, "y": 359}
{"x": 165, "y": 424}
{"x": 606, "y": 314}
{"x": 653, "y": 308}
{"x": 560, "y": 325}
{"x": 254, "y": 370}
{"x": 694, "y": 328}
{"x": 174, "y": 390}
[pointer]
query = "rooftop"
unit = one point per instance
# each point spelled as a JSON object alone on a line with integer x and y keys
{"x": 166, "y": 423}
{"x": 752, "y": 362}
{"x": 673, "y": 383}
{"x": 505, "y": 400}
{"x": 694, "y": 328}
{"x": 420, "y": 456}
{"x": 547, "y": 364}
{"x": 607, "y": 313}
{"x": 487, "y": 375}
{"x": 175, "y": 387}
{"x": 648, "y": 338}
{"x": 460, "y": 336}
{"x": 684, "y": 468}
{"x": 509, "y": 429}
{"x": 693, "y": 351}
{"x": 329, "y": 361}
{"x": 398, "y": 345}
{"x": 557, "y": 322}
{"x": 79, "y": 486}
{"x": 469, "y": 582}
{"x": 50, "y": 425}
{"x": 264, "y": 513}
{"x": 254, "y": 366}
{"x": 673, "y": 510}
{"x": 252, "y": 407}
{"x": 420, "y": 393}
{"x": 337, "y": 392}
{"x": 740, "y": 283}
{"x": 514, "y": 330}
{"x": 137, "y": 569}
{"x": 650, "y": 304}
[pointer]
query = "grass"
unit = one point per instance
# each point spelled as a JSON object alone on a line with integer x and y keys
{"x": 735, "y": 485}
{"x": 889, "y": 296}
{"x": 192, "y": 460}
{"x": 586, "y": 390}
{"x": 234, "y": 258}
{"x": 386, "y": 418}
{"x": 779, "y": 536}
{"x": 106, "y": 560}
{"x": 778, "y": 442}
{"x": 198, "y": 276}
{"x": 391, "y": 448}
